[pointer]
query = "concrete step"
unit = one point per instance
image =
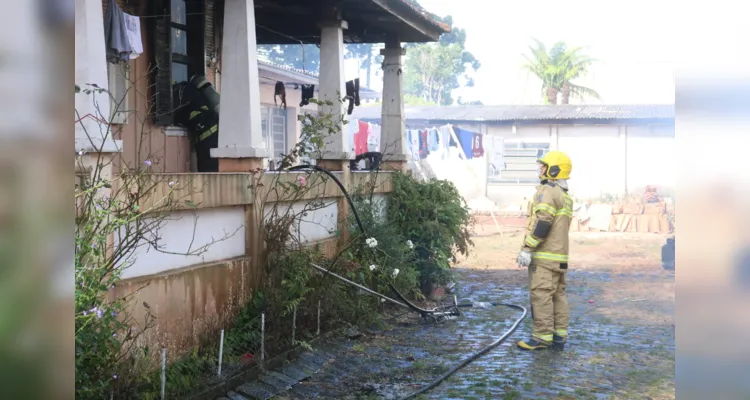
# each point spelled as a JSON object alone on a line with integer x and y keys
{"x": 284, "y": 378}
{"x": 257, "y": 390}
{"x": 235, "y": 396}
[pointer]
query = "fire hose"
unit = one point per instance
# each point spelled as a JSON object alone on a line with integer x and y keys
{"x": 436, "y": 313}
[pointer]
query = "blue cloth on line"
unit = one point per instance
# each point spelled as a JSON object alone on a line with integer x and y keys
{"x": 433, "y": 139}
{"x": 466, "y": 139}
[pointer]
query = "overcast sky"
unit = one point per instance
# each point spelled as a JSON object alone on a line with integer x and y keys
{"x": 632, "y": 40}
{"x": 641, "y": 44}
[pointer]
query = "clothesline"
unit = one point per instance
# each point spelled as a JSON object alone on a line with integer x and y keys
{"x": 421, "y": 143}
{"x": 165, "y": 15}
{"x": 426, "y": 141}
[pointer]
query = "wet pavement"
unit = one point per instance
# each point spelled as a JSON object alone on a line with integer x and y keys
{"x": 621, "y": 346}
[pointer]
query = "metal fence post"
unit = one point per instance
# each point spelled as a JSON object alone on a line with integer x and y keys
{"x": 294, "y": 323}
{"x": 221, "y": 351}
{"x": 163, "y": 373}
{"x": 262, "y": 336}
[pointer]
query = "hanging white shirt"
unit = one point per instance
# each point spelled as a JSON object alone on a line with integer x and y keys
{"x": 133, "y": 29}
{"x": 351, "y": 129}
{"x": 373, "y": 138}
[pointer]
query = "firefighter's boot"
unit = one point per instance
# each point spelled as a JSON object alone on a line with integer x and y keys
{"x": 558, "y": 342}
{"x": 533, "y": 344}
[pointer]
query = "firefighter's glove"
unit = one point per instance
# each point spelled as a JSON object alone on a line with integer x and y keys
{"x": 524, "y": 258}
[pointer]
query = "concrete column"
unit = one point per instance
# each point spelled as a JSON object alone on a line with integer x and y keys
{"x": 332, "y": 87}
{"x": 241, "y": 145}
{"x": 393, "y": 140}
{"x": 92, "y": 131}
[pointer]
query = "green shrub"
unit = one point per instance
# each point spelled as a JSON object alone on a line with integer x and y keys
{"x": 378, "y": 260}
{"x": 436, "y": 219}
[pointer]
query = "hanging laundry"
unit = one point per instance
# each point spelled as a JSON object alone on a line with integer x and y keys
{"x": 373, "y": 138}
{"x": 466, "y": 140}
{"x": 423, "y": 150}
{"x": 409, "y": 149}
{"x": 308, "y": 92}
{"x": 476, "y": 147}
{"x": 445, "y": 135}
{"x": 445, "y": 139}
{"x": 351, "y": 130}
{"x": 279, "y": 91}
{"x": 433, "y": 139}
{"x": 413, "y": 136}
{"x": 133, "y": 27}
{"x": 117, "y": 42}
{"x": 352, "y": 94}
{"x": 360, "y": 138}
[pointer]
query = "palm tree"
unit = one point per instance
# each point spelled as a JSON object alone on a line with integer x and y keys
{"x": 571, "y": 65}
{"x": 557, "y": 69}
{"x": 540, "y": 64}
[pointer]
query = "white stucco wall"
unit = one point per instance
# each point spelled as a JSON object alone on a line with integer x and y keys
{"x": 598, "y": 159}
{"x": 514, "y": 195}
{"x": 608, "y": 160}
{"x": 651, "y": 158}
{"x": 319, "y": 223}
{"x": 188, "y": 231}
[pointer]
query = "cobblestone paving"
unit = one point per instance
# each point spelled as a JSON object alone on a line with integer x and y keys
{"x": 621, "y": 344}
{"x": 619, "y": 348}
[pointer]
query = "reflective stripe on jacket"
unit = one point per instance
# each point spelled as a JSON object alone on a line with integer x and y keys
{"x": 553, "y": 204}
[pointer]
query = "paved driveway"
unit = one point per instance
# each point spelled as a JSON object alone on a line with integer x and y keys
{"x": 621, "y": 344}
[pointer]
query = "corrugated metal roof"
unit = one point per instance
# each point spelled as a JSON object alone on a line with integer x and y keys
{"x": 263, "y": 60}
{"x": 508, "y": 113}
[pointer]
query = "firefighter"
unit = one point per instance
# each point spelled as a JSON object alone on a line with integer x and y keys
{"x": 545, "y": 253}
{"x": 199, "y": 112}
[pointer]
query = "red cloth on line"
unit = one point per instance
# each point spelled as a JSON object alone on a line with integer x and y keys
{"x": 477, "y": 149}
{"x": 360, "y": 138}
{"x": 423, "y": 150}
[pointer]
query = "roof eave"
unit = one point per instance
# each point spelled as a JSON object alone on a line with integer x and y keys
{"x": 429, "y": 32}
{"x": 294, "y": 77}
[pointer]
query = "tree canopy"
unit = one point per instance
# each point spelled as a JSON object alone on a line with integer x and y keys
{"x": 433, "y": 70}
{"x": 305, "y": 57}
{"x": 557, "y": 68}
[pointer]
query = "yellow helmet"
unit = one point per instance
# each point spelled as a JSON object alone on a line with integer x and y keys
{"x": 558, "y": 165}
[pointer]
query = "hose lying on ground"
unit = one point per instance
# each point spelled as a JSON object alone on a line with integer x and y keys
{"x": 407, "y": 304}
{"x": 474, "y": 356}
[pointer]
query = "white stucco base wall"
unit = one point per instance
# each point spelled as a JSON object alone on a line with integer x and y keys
{"x": 216, "y": 233}
{"x": 319, "y": 223}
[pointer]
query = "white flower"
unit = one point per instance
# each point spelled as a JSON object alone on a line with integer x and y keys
{"x": 372, "y": 242}
{"x": 395, "y": 273}
{"x": 372, "y": 267}
{"x": 410, "y": 244}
